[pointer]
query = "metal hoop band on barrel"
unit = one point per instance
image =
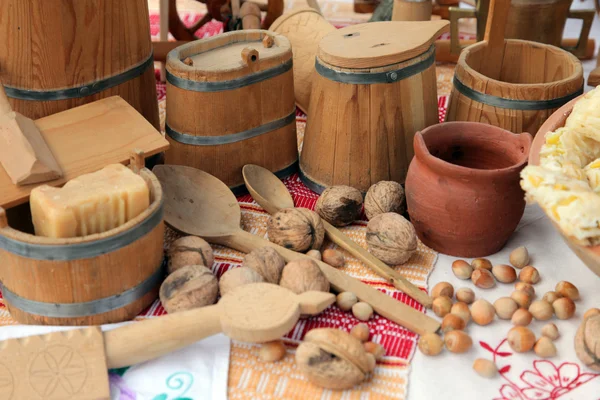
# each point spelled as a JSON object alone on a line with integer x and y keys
{"x": 513, "y": 104}
{"x": 237, "y": 83}
{"x": 367, "y": 78}
{"x": 83, "y": 90}
{"x": 84, "y": 309}
{"x": 83, "y": 250}
{"x": 312, "y": 185}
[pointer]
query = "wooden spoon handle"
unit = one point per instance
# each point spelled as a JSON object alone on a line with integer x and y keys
{"x": 399, "y": 282}
{"x": 494, "y": 36}
{"x": 155, "y": 337}
{"x": 385, "y": 305}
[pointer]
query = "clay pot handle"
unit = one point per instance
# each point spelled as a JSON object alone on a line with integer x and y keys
{"x": 419, "y": 146}
{"x": 249, "y": 56}
{"x": 525, "y": 140}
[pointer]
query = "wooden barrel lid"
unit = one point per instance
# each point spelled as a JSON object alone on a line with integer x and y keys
{"x": 377, "y": 44}
{"x": 279, "y": 21}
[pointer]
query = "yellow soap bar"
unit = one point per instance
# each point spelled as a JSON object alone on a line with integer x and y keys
{"x": 88, "y": 204}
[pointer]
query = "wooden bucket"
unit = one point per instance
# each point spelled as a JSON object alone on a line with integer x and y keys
{"x": 60, "y": 54}
{"x": 304, "y": 27}
{"x": 234, "y": 106}
{"x": 368, "y": 100}
{"x": 91, "y": 280}
{"x": 412, "y": 10}
{"x": 535, "y": 80}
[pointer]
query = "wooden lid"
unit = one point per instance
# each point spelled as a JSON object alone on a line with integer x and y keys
{"x": 279, "y": 21}
{"x": 377, "y": 44}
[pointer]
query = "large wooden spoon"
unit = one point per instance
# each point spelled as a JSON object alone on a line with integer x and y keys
{"x": 493, "y": 54}
{"x": 272, "y": 195}
{"x": 197, "y": 203}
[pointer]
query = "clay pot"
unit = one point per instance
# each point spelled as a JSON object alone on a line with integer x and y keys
{"x": 462, "y": 188}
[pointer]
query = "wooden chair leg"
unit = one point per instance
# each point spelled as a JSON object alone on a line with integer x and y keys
{"x": 176, "y": 27}
{"x": 274, "y": 11}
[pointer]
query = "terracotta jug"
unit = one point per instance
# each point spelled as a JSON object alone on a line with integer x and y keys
{"x": 462, "y": 188}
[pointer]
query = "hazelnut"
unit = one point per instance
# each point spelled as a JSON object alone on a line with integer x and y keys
{"x": 333, "y": 258}
{"x": 481, "y": 263}
{"x": 587, "y": 342}
{"x": 189, "y": 250}
{"x": 521, "y": 317}
{"x": 458, "y": 341}
{"x": 360, "y": 331}
{"x": 362, "y": 311}
{"x": 452, "y": 322}
{"x": 505, "y": 307}
{"x": 345, "y": 300}
{"x": 482, "y": 312}
{"x": 235, "y": 277}
{"x": 465, "y": 295}
{"x": 462, "y": 310}
{"x": 525, "y": 287}
{"x": 391, "y": 238}
{"x": 590, "y": 312}
{"x": 521, "y": 339}
{"x": 189, "y": 287}
{"x": 529, "y": 274}
{"x": 564, "y": 308}
{"x": 504, "y": 273}
{"x": 485, "y": 368}
{"x": 374, "y": 348}
{"x": 441, "y": 306}
{"x": 550, "y": 297}
{"x": 550, "y": 331}
{"x": 272, "y": 351}
{"x": 462, "y": 269}
{"x": 384, "y": 197}
{"x": 522, "y": 298}
{"x": 519, "y": 257}
{"x": 483, "y": 278}
{"x": 303, "y": 275}
{"x": 544, "y": 347}
{"x": 442, "y": 289}
{"x": 267, "y": 262}
{"x": 316, "y": 254}
{"x": 297, "y": 229}
{"x": 339, "y": 205}
{"x": 333, "y": 359}
{"x": 541, "y": 310}
{"x": 431, "y": 344}
{"x": 567, "y": 289}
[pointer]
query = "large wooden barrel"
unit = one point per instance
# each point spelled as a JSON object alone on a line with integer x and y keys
{"x": 90, "y": 280}
{"x": 371, "y": 93}
{"x": 232, "y": 105}
{"x": 536, "y": 79}
{"x": 304, "y": 27}
{"x": 60, "y": 54}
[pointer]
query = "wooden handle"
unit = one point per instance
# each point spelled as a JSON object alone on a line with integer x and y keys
{"x": 267, "y": 41}
{"x": 494, "y": 36}
{"x": 399, "y": 282}
{"x": 155, "y": 337}
{"x": 5, "y": 107}
{"x": 3, "y": 219}
{"x": 383, "y": 304}
{"x": 249, "y": 56}
{"x": 594, "y": 78}
{"x": 136, "y": 160}
{"x": 250, "y": 16}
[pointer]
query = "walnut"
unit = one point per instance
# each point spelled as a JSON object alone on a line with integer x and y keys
{"x": 237, "y": 277}
{"x": 298, "y": 229}
{"x": 391, "y": 238}
{"x": 384, "y": 197}
{"x": 333, "y": 359}
{"x": 189, "y": 287}
{"x": 587, "y": 342}
{"x": 303, "y": 275}
{"x": 339, "y": 205}
{"x": 189, "y": 250}
{"x": 267, "y": 262}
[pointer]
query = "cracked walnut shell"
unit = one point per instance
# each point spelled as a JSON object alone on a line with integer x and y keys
{"x": 189, "y": 287}
{"x": 267, "y": 262}
{"x": 189, "y": 250}
{"x": 339, "y": 205}
{"x": 297, "y": 229}
{"x": 384, "y": 197}
{"x": 391, "y": 238}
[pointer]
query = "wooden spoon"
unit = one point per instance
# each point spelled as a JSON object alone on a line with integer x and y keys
{"x": 494, "y": 36}
{"x": 272, "y": 195}
{"x": 197, "y": 203}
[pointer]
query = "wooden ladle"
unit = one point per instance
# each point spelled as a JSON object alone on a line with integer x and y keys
{"x": 197, "y": 203}
{"x": 272, "y": 195}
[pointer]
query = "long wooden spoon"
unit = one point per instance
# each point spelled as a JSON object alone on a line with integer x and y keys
{"x": 272, "y": 195}
{"x": 197, "y": 203}
{"x": 493, "y": 54}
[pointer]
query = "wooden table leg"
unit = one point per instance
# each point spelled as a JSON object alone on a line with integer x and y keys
{"x": 164, "y": 30}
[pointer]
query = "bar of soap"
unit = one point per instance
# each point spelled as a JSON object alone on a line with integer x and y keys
{"x": 88, "y": 204}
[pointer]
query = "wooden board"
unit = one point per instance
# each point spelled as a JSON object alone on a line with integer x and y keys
{"x": 87, "y": 138}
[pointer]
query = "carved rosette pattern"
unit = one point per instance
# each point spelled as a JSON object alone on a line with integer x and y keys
{"x": 7, "y": 383}
{"x": 58, "y": 372}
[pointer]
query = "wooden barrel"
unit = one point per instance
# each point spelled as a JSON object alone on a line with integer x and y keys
{"x": 412, "y": 10}
{"x": 60, "y": 54}
{"x": 233, "y": 105}
{"x": 535, "y": 80}
{"x": 304, "y": 27}
{"x": 372, "y": 92}
{"x": 91, "y": 280}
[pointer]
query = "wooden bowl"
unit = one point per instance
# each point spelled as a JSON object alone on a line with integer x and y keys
{"x": 590, "y": 255}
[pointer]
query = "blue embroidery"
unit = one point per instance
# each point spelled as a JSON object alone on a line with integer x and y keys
{"x": 179, "y": 380}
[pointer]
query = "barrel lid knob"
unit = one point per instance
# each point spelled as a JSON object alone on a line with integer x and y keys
{"x": 249, "y": 56}
{"x": 267, "y": 41}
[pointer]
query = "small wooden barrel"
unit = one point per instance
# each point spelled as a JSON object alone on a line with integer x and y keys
{"x": 535, "y": 80}
{"x": 412, "y": 10}
{"x": 232, "y": 105}
{"x": 370, "y": 95}
{"x": 60, "y": 54}
{"x": 304, "y": 27}
{"x": 91, "y": 280}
